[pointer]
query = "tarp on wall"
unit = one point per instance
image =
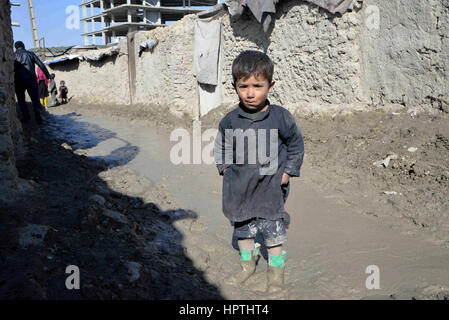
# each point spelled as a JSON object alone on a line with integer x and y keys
{"x": 65, "y": 58}
{"x": 93, "y": 55}
{"x": 207, "y": 62}
{"x": 207, "y": 49}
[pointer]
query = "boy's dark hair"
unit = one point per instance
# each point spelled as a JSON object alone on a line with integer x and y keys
{"x": 251, "y": 62}
{"x": 19, "y": 44}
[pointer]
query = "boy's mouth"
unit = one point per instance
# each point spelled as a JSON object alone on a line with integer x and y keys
{"x": 252, "y": 104}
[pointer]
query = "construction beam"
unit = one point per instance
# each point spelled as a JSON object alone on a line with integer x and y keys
{"x": 15, "y": 4}
{"x": 33, "y": 24}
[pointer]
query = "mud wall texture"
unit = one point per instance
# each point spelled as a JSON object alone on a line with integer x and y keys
{"x": 386, "y": 52}
{"x": 10, "y": 128}
{"x": 316, "y": 55}
{"x": 165, "y": 75}
{"x": 317, "y": 59}
{"x": 406, "y": 59}
{"x": 98, "y": 82}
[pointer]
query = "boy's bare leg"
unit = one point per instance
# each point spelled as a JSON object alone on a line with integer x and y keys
{"x": 246, "y": 244}
{"x": 275, "y": 251}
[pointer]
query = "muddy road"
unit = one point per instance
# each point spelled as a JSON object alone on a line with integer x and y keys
{"x": 105, "y": 197}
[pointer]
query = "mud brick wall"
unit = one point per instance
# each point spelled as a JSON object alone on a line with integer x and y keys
{"x": 10, "y": 128}
{"x": 98, "y": 82}
{"x": 323, "y": 62}
{"x": 406, "y": 59}
{"x": 165, "y": 76}
{"x": 316, "y": 55}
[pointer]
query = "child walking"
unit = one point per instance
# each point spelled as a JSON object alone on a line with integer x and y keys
{"x": 63, "y": 92}
{"x": 42, "y": 82}
{"x": 256, "y": 185}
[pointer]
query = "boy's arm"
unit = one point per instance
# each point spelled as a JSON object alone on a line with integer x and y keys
{"x": 220, "y": 148}
{"x": 295, "y": 145}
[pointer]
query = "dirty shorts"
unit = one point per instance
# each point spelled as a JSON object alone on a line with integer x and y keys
{"x": 273, "y": 231}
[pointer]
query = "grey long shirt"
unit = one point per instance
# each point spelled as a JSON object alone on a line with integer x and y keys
{"x": 254, "y": 165}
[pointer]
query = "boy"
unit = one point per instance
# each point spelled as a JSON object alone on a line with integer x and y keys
{"x": 254, "y": 191}
{"x": 63, "y": 91}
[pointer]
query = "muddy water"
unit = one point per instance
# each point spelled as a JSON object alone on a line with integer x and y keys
{"x": 330, "y": 244}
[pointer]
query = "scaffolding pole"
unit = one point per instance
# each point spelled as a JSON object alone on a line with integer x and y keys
{"x": 33, "y": 24}
{"x": 15, "y": 4}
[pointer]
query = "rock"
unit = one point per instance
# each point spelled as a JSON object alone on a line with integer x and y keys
{"x": 95, "y": 209}
{"x": 26, "y": 186}
{"x": 81, "y": 152}
{"x": 444, "y": 106}
{"x": 412, "y": 149}
{"x": 102, "y": 190}
{"x": 94, "y": 215}
{"x": 114, "y": 215}
{"x": 32, "y": 234}
{"x": 66, "y": 146}
{"x": 133, "y": 270}
{"x": 385, "y": 162}
{"x": 97, "y": 199}
{"x": 3, "y": 96}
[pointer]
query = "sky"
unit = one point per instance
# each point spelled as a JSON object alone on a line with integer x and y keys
{"x": 51, "y": 19}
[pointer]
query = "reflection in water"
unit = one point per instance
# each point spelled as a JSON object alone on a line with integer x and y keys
{"x": 81, "y": 135}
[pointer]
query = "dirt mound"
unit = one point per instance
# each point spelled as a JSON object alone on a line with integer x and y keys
{"x": 391, "y": 163}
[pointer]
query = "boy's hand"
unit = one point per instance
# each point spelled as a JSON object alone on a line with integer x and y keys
{"x": 285, "y": 178}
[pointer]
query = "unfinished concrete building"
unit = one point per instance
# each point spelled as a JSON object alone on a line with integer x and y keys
{"x": 116, "y": 18}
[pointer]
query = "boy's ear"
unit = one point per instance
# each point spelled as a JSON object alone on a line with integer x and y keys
{"x": 272, "y": 85}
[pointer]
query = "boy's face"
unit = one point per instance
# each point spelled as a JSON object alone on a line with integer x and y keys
{"x": 253, "y": 91}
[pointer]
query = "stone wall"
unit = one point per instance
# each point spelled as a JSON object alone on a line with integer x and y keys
{"x": 10, "y": 128}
